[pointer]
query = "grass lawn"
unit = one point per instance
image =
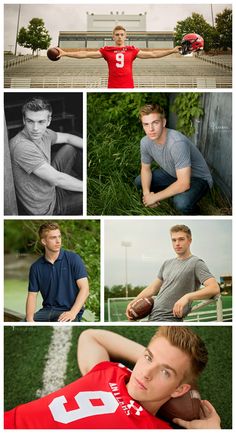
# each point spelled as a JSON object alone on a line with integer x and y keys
{"x": 15, "y": 293}
{"x": 26, "y": 349}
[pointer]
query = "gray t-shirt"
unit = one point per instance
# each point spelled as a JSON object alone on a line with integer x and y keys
{"x": 179, "y": 277}
{"x": 177, "y": 152}
{"x": 37, "y": 196}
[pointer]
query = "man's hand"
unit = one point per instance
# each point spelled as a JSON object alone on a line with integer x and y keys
{"x": 61, "y": 52}
{"x": 177, "y": 49}
{"x": 127, "y": 311}
{"x": 209, "y": 418}
{"x": 179, "y": 306}
{"x": 150, "y": 200}
{"x": 67, "y": 316}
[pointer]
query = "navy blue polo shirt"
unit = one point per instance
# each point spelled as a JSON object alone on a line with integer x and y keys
{"x": 57, "y": 282}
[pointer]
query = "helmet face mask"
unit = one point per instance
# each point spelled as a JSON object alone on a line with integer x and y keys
{"x": 192, "y": 42}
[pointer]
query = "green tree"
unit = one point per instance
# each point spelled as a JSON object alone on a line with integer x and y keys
{"x": 35, "y": 36}
{"x": 224, "y": 28}
{"x": 195, "y": 24}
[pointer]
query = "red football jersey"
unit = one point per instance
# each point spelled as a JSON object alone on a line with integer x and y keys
{"x": 98, "y": 400}
{"x": 120, "y": 61}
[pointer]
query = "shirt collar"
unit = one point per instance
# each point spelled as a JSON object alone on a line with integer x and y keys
{"x": 59, "y": 258}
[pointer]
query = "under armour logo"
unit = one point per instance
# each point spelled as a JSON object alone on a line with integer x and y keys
{"x": 138, "y": 409}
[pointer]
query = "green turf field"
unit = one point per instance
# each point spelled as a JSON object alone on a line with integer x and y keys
{"x": 119, "y": 308}
{"x": 26, "y": 349}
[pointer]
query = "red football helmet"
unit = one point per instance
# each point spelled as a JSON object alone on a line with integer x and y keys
{"x": 192, "y": 42}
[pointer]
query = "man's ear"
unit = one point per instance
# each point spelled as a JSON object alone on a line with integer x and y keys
{"x": 164, "y": 122}
{"x": 49, "y": 120}
{"x": 181, "y": 390}
{"x": 43, "y": 242}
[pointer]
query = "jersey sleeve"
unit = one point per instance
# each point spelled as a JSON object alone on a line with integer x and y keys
{"x": 202, "y": 272}
{"x": 181, "y": 154}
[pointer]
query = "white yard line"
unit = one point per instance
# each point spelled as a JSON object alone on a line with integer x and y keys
{"x": 56, "y": 361}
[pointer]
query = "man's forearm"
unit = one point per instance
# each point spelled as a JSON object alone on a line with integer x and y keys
{"x": 173, "y": 189}
{"x": 146, "y": 179}
{"x": 68, "y": 182}
{"x": 30, "y": 306}
{"x": 205, "y": 292}
{"x": 74, "y": 140}
{"x": 103, "y": 345}
{"x": 80, "y": 300}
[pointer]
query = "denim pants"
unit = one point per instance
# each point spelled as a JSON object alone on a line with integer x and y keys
{"x": 186, "y": 202}
{"x": 67, "y": 202}
{"x": 51, "y": 315}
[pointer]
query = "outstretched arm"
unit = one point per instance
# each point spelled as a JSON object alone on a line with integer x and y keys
{"x": 157, "y": 54}
{"x": 97, "y": 345}
{"x": 80, "y": 54}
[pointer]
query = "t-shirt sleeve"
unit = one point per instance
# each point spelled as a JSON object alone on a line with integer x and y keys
{"x": 202, "y": 272}
{"x": 146, "y": 158}
{"x": 33, "y": 281}
{"x": 27, "y": 157}
{"x": 181, "y": 154}
{"x": 79, "y": 269}
{"x": 160, "y": 273}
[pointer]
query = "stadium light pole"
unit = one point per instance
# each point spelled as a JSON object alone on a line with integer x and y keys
{"x": 126, "y": 245}
{"x": 17, "y": 27}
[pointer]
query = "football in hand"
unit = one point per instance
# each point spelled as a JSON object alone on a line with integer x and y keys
{"x": 141, "y": 308}
{"x": 53, "y": 54}
{"x": 186, "y": 407}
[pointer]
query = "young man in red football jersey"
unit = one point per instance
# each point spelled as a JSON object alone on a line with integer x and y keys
{"x": 119, "y": 58}
{"x": 110, "y": 396}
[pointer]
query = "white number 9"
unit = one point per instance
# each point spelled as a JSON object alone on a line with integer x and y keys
{"x": 85, "y": 407}
{"x": 120, "y": 59}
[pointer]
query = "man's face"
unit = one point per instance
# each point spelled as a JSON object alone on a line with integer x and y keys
{"x": 181, "y": 243}
{"x": 153, "y": 125}
{"x": 158, "y": 374}
{"x": 52, "y": 241}
{"x": 119, "y": 37}
{"x": 36, "y": 123}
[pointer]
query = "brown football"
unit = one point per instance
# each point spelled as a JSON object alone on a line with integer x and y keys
{"x": 186, "y": 407}
{"x": 141, "y": 308}
{"x": 53, "y": 54}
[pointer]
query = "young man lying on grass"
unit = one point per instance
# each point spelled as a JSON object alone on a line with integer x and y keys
{"x": 110, "y": 396}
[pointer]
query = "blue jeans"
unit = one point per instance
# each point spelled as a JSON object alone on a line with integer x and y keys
{"x": 186, "y": 202}
{"x": 51, "y": 315}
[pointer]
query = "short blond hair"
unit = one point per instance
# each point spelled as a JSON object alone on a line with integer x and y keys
{"x": 118, "y": 28}
{"x": 188, "y": 342}
{"x": 151, "y": 108}
{"x": 47, "y": 227}
{"x": 181, "y": 228}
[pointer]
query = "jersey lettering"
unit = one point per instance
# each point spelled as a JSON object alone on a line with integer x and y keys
{"x": 120, "y": 59}
{"x": 85, "y": 406}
